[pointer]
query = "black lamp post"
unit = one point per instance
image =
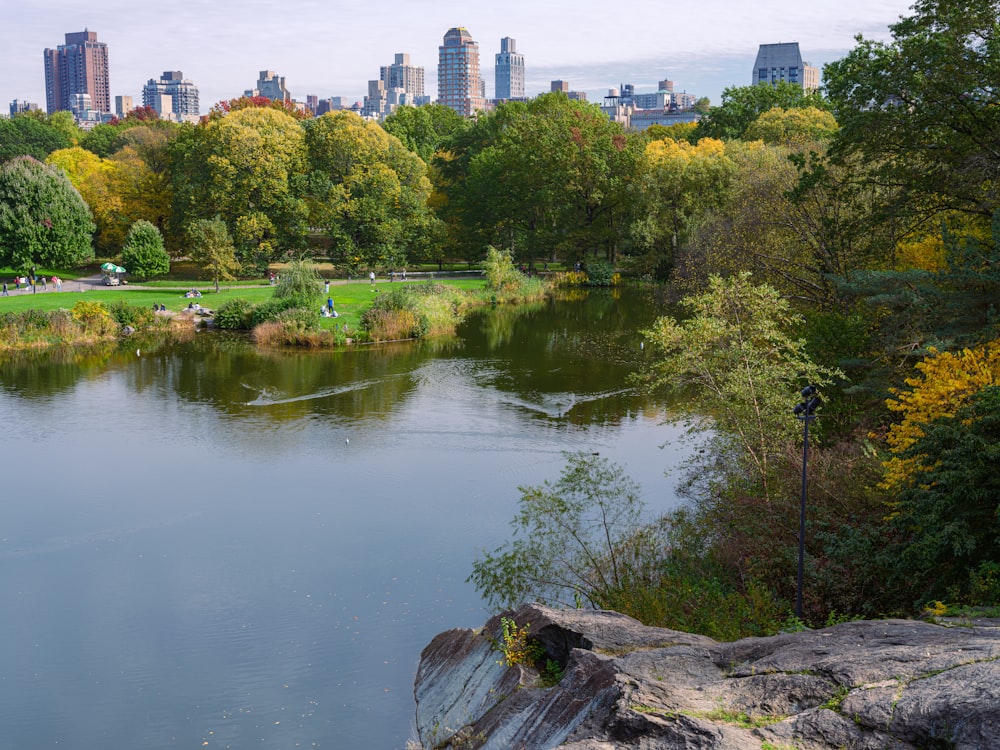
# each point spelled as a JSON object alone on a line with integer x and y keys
{"x": 806, "y": 412}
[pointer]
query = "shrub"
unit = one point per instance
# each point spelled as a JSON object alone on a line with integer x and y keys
{"x": 235, "y": 315}
{"x": 94, "y": 317}
{"x": 601, "y": 273}
{"x": 131, "y": 315}
{"x": 269, "y": 311}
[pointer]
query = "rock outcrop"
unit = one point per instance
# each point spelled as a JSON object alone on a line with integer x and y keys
{"x": 874, "y": 685}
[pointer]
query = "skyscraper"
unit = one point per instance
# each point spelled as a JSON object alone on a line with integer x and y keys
{"x": 271, "y": 85}
{"x": 183, "y": 95}
{"x": 78, "y": 67}
{"x": 783, "y": 62}
{"x": 459, "y": 83}
{"x": 402, "y": 75}
{"x": 509, "y": 71}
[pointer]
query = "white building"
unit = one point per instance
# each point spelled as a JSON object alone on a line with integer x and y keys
{"x": 509, "y": 81}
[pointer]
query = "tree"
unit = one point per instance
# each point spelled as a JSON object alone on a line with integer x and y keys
{"x": 29, "y": 136}
{"x": 95, "y": 179}
{"x": 949, "y": 512}
{"x": 424, "y": 129}
{"x": 679, "y": 182}
{"x": 797, "y": 128}
{"x": 212, "y": 247}
{"x": 923, "y": 111}
{"x": 366, "y": 190}
{"x": 741, "y": 105}
{"x": 734, "y": 364}
{"x": 574, "y": 540}
{"x": 143, "y": 253}
{"x": 300, "y": 284}
{"x": 43, "y": 219}
{"x": 945, "y": 382}
{"x": 247, "y": 168}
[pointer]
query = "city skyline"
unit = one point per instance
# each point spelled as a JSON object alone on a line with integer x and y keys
{"x": 326, "y": 49}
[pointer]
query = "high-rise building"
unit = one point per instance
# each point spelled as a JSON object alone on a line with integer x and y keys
{"x": 271, "y": 85}
{"x": 19, "y": 106}
{"x": 459, "y": 83}
{"x": 402, "y": 75}
{"x": 123, "y": 105}
{"x": 509, "y": 82}
{"x": 181, "y": 100}
{"x": 562, "y": 86}
{"x": 783, "y": 62}
{"x": 78, "y": 67}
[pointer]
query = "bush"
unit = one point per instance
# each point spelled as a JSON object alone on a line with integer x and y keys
{"x": 235, "y": 315}
{"x": 269, "y": 311}
{"x": 601, "y": 273}
{"x": 300, "y": 283}
{"x": 94, "y": 317}
{"x": 131, "y": 315}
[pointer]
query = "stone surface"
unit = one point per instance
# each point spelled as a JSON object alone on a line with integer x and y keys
{"x": 880, "y": 685}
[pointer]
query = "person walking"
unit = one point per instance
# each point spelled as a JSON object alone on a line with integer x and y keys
{"x": 327, "y": 285}
{"x": 371, "y": 277}
{"x": 5, "y": 292}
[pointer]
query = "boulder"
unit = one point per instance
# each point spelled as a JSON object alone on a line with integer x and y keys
{"x": 873, "y": 685}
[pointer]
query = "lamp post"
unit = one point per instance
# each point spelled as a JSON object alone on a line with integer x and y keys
{"x": 806, "y": 412}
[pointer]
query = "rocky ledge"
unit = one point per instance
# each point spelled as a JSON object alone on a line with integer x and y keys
{"x": 874, "y": 685}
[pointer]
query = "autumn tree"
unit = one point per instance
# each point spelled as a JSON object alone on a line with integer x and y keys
{"x": 742, "y": 105}
{"x": 94, "y": 178}
{"x": 679, "y": 182}
{"x": 211, "y": 246}
{"x": 796, "y": 128}
{"x": 245, "y": 167}
{"x": 43, "y": 219}
{"x": 143, "y": 253}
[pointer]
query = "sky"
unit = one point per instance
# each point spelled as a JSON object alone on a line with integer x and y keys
{"x": 334, "y": 47}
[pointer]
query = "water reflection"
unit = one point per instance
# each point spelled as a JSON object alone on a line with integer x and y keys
{"x": 207, "y": 542}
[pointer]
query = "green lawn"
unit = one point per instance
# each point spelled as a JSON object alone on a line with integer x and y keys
{"x": 350, "y": 299}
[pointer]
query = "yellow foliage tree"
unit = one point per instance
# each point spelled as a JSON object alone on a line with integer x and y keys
{"x": 946, "y": 381}
{"x": 94, "y": 178}
{"x": 794, "y": 127}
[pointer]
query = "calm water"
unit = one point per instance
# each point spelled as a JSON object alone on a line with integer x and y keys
{"x": 204, "y": 545}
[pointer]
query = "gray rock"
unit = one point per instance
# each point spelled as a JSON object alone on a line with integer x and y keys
{"x": 881, "y": 685}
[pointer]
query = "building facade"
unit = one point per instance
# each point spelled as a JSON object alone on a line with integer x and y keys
{"x": 460, "y": 85}
{"x": 271, "y": 85}
{"x": 402, "y": 75}
{"x": 783, "y": 62}
{"x": 172, "y": 95}
{"x": 19, "y": 106}
{"x": 80, "y": 66}
{"x": 509, "y": 81}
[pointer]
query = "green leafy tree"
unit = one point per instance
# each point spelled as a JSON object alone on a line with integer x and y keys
{"x": 543, "y": 178}
{"x": 29, "y": 136}
{"x": 733, "y": 359}
{"x": 424, "y": 129}
{"x": 43, "y": 219}
{"x": 211, "y": 246}
{"x": 367, "y": 190}
{"x": 923, "y": 111}
{"x": 143, "y": 253}
{"x": 574, "y": 539}
{"x": 742, "y": 105}
{"x": 950, "y": 512}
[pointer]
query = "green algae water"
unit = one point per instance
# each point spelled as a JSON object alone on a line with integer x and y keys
{"x": 207, "y": 545}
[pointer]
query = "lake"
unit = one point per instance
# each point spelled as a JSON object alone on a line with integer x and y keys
{"x": 207, "y": 545}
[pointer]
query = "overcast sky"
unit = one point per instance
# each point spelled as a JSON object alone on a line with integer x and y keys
{"x": 334, "y": 47}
